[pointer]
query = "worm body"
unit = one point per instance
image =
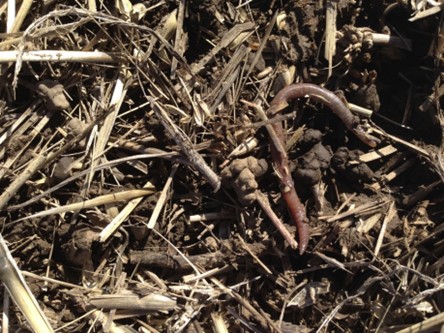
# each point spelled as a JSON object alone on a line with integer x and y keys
{"x": 280, "y": 157}
{"x": 325, "y": 97}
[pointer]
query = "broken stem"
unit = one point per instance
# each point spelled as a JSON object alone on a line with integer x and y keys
{"x": 185, "y": 145}
{"x": 21, "y": 294}
{"x": 265, "y": 205}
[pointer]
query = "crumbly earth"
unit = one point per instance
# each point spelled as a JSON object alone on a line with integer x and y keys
{"x": 186, "y": 258}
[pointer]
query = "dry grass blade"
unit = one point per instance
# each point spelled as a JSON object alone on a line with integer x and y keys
{"x": 391, "y": 212}
{"x": 330, "y": 33}
{"x": 17, "y": 135}
{"x": 106, "y": 199}
{"x": 357, "y": 210}
{"x": 87, "y": 171}
{"x": 265, "y": 321}
{"x": 428, "y": 325}
{"x": 103, "y": 319}
{"x": 108, "y": 124}
{"x": 20, "y": 292}
{"x": 378, "y": 153}
{"x": 152, "y": 302}
{"x": 229, "y": 37}
{"x": 121, "y": 217}
{"x": 10, "y": 14}
{"x": 39, "y": 162}
{"x": 20, "y": 17}
{"x": 61, "y": 56}
{"x": 161, "y": 202}
{"x": 219, "y": 324}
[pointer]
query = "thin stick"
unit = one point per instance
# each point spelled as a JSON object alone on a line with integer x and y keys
{"x": 100, "y": 200}
{"x": 255, "y": 257}
{"x": 23, "y": 11}
{"x": 61, "y": 56}
{"x": 20, "y": 292}
{"x": 359, "y": 209}
{"x": 10, "y": 21}
{"x": 265, "y": 204}
{"x": 161, "y": 202}
{"x": 393, "y": 174}
{"x": 390, "y": 215}
{"x": 185, "y": 145}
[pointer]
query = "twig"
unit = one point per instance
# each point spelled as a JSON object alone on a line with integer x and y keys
{"x": 255, "y": 257}
{"x": 185, "y": 145}
{"x": 265, "y": 205}
{"x": 86, "y": 171}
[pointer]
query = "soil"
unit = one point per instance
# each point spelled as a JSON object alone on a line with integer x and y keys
{"x": 175, "y": 110}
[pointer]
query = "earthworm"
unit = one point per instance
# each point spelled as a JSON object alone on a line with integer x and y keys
{"x": 280, "y": 157}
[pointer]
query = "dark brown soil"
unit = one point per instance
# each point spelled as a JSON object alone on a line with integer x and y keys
{"x": 196, "y": 252}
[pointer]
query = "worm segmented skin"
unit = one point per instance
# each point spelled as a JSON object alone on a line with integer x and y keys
{"x": 280, "y": 158}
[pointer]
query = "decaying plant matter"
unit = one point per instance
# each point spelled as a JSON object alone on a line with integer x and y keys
{"x": 151, "y": 151}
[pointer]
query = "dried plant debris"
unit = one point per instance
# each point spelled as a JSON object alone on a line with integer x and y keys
{"x": 156, "y": 154}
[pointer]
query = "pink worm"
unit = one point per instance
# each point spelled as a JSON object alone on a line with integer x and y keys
{"x": 280, "y": 157}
